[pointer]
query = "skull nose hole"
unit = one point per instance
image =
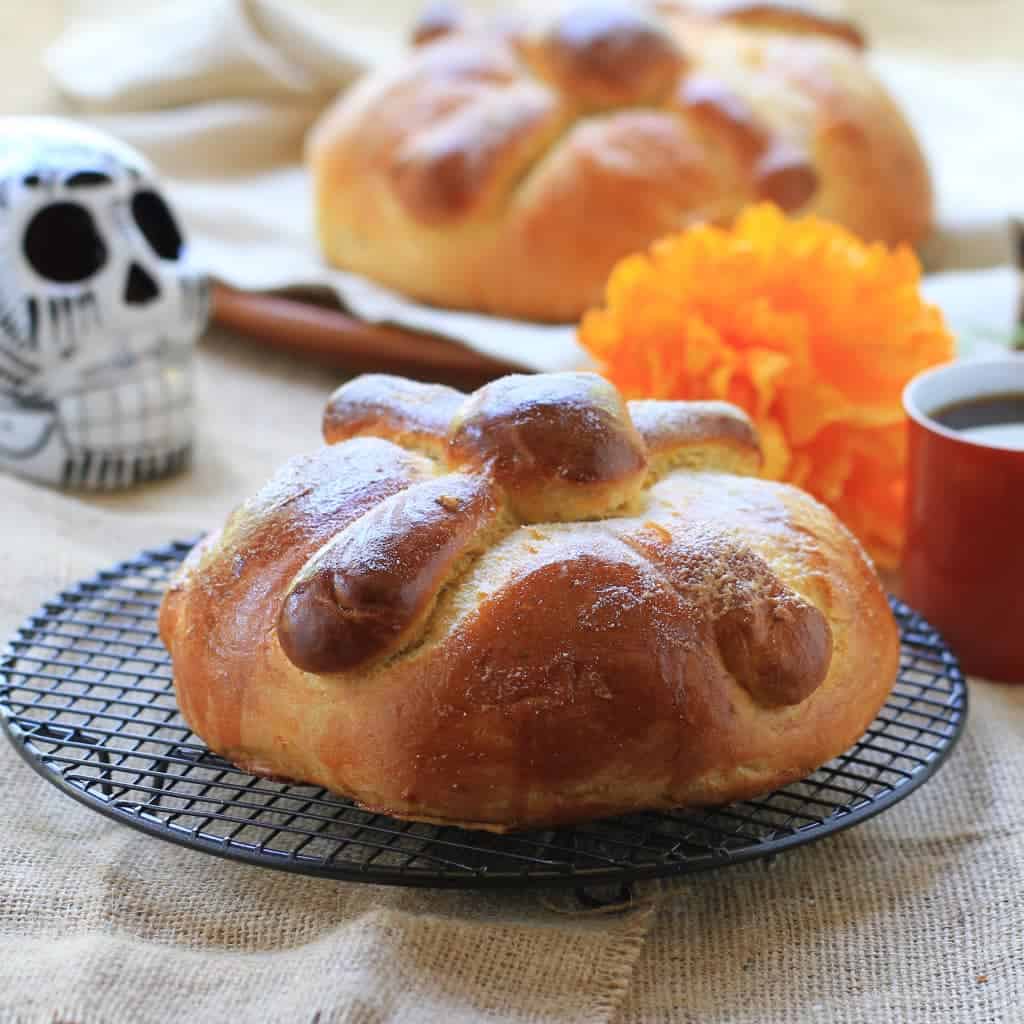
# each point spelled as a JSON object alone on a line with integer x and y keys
{"x": 140, "y": 287}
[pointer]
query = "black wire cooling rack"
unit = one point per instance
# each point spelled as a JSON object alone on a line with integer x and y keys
{"x": 87, "y": 699}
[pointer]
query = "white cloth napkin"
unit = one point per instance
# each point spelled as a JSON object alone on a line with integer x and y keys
{"x": 220, "y": 95}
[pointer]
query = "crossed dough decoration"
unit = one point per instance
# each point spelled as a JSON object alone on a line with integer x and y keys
{"x": 518, "y": 453}
{"x": 591, "y": 60}
{"x": 531, "y": 605}
{"x": 508, "y": 164}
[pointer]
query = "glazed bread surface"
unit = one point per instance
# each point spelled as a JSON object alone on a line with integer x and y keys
{"x": 533, "y": 605}
{"x": 507, "y": 166}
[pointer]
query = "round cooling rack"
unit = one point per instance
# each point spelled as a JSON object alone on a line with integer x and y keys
{"x": 86, "y": 697}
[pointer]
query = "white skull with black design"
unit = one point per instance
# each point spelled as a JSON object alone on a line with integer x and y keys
{"x": 100, "y": 310}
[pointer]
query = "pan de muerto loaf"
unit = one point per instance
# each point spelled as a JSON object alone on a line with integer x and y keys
{"x": 531, "y": 605}
{"x": 506, "y": 167}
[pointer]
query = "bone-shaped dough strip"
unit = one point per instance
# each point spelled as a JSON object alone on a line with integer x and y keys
{"x": 404, "y": 411}
{"x": 776, "y": 645}
{"x": 365, "y": 594}
{"x": 701, "y": 435}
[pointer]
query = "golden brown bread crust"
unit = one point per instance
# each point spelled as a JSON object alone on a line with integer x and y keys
{"x": 781, "y": 16}
{"x": 507, "y": 169}
{"x": 437, "y": 19}
{"x": 604, "y": 56}
{"x": 409, "y": 413}
{"x": 697, "y": 435}
{"x": 395, "y": 626}
{"x": 506, "y": 429}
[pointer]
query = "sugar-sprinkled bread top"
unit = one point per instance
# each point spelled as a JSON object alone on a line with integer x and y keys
{"x": 531, "y": 450}
{"x": 532, "y": 604}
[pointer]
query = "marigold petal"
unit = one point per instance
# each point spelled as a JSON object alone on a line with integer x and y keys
{"x": 812, "y": 331}
{"x": 776, "y": 450}
{"x": 766, "y": 368}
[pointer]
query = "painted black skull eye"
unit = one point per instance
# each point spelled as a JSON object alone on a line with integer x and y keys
{"x": 85, "y": 179}
{"x": 63, "y": 245}
{"x": 157, "y": 224}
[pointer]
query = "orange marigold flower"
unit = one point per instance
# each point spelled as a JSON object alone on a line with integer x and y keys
{"x": 810, "y": 330}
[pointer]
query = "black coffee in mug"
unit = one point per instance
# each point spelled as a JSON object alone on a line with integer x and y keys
{"x": 996, "y": 420}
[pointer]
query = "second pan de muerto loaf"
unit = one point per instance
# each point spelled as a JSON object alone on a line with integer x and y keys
{"x": 505, "y": 166}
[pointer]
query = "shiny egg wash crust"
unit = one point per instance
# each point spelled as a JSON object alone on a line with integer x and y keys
{"x": 531, "y": 605}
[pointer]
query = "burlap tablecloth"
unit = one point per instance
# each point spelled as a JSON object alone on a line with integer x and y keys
{"x": 915, "y": 916}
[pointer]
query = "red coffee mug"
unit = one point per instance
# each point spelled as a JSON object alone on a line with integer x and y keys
{"x": 963, "y": 566}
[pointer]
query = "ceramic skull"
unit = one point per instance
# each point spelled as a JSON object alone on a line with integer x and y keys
{"x": 100, "y": 310}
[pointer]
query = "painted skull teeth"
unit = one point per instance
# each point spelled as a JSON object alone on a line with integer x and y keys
{"x": 99, "y": 311}
{"x": 109, "y": 470}
{"x": 108, "y": 418}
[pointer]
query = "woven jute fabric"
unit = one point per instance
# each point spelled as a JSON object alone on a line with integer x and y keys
{"x": 915, "y": 916}
{"x": 99, "y": 923}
